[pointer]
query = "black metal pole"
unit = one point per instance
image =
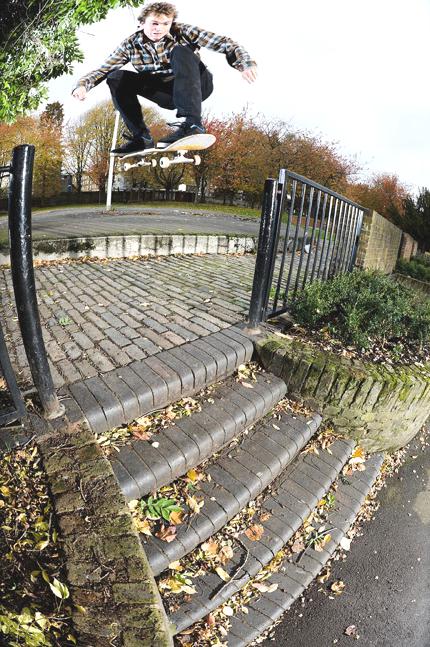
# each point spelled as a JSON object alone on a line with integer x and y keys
{"x": 264, "y": 253}
{"x": 24, "y": 285}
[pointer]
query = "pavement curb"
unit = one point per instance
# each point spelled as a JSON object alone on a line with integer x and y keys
{"x": 104, "y": 247}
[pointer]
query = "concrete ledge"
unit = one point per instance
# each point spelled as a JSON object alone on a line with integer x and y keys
{"x": 139, "y": 245}
{"x": 423, "y": 287}
{"x": 107, "y": 571}
{"x": 380, "y": 406}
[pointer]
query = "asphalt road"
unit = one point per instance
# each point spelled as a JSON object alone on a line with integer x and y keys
{"x": 386, "y": 573}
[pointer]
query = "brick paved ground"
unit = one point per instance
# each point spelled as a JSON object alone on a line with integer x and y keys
{"x": 101, "y": 315}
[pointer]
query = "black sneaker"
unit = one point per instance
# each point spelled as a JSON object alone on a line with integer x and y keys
{"x": 182, "y": 130}
{"x": 134, "y": 146}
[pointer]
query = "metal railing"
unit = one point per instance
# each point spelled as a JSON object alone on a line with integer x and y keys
{"x": 21, "y": 257}
{"x": 307, "y": 232}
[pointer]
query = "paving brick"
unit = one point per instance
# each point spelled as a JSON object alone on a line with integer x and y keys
{"x": 169, "y": 375}
{"x": 186, "y": 444}
{"x": 141, "y": 390}
{"x": 110, "y": 404}
{"x": 126, "y": 482}
{"x": 228, "y": 352}
{"x": 185, "y": 374}
{"x": 138, "y": 469}
{"x": 155, "y": 460}
{"x": 197, "y": 433}
{"x": 82, "y": 340}
{"x": 91, "y": 408}
{"x": 100, "y": 361}
{"x": 254, "y": 466}
{"x": 161, "y": 342}
{"x": 157, "y": 385}
{"x": 231, "y": 484}
{"x": 115, "y": 354}
{"x": 219, "y": 357}
{"x": 197, "y": 367}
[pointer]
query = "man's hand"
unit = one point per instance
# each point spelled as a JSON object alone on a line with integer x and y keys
{"x": 79, "y": 93}
{"x": 250, "y": 74}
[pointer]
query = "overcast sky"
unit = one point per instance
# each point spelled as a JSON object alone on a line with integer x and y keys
{"x": 354, "y": 71}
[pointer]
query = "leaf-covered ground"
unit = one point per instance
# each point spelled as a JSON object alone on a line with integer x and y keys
{"x": 34, "y": 608}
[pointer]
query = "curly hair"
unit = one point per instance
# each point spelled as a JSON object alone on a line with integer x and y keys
{"x": 158, "y": 8}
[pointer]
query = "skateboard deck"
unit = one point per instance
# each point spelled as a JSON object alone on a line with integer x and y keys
{"x": 180, "y": 147}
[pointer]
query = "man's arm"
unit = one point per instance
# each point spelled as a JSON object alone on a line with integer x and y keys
{"x": 236, "y": 55}
{"x": 117, "y": 59}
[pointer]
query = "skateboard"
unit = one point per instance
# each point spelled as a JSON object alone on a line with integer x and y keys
{"x": 180, "y": 148}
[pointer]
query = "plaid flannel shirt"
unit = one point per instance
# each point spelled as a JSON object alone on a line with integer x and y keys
{"x": 148, "y": 56}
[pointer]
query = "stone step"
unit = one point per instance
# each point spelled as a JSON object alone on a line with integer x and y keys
{"x": 294, "y": 578}
{"x": 117, "y": 397}
{"x": 142, "y": 468}
{"x": 238, "y": 476}
{"x": 292, "y": 499}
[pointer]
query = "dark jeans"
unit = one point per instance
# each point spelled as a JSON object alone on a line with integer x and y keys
{"x": 190, "y": 84}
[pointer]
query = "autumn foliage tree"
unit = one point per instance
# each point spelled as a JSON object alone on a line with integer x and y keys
{"x": 44, "y": 132}
{"x": 384, "y": 193}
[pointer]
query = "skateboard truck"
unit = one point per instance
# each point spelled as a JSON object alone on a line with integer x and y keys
{"x": 179, "y": 158}
{"x": 141, "y": 162}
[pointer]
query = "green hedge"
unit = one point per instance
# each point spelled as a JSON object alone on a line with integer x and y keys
{"x": 364, "y": 308}
{"x": 417, "y": 268}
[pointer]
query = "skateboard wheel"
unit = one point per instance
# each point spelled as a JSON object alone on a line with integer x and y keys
{"x": 197, "y": 160}
{"x": 126, "y": 166}
{"x": 153, "y": 163}
{"x": 164, "y": 162}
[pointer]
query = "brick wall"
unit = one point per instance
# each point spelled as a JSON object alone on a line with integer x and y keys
{"x": 408, "y": 247}
{"x": 379, "y": 243}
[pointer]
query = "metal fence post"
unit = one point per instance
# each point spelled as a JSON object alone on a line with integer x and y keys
{"x": 265, "y": 252}
{"x": 21, "y": 256}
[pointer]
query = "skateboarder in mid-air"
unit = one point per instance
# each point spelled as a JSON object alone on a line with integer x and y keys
{"x": 169, "y": 72}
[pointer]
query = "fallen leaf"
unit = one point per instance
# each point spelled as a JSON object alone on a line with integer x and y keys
{"x": 210, "y": 620}
{"x": 298, "y": 546}
{"x": 337, "y": 587}
{"x": 345, "y": 543}
{"x": 222, "y": 574}
{"x": 225, "y": 554}
{"x": 166, "y": 534}
{"x": 145, "y": 421}
{"x": 177, "y": 517}
{"x": 176, "y": 566}
{"x": 255, "y": 532}
{"x": 143, "y": 526}
{"x": 141, "y": 434}
{"x": 323, "y": 577}
{"x": 265, "y": 516}
{"x": 194, "y": 504}
{"x": 265, "y": 588}
{"x": 210, "y": 547}
{"x": 247, "y": 385}
{"x": 351, "y": 630}
{"x": 319, "y": 545}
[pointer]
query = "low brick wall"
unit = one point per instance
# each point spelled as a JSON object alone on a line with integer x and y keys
{"x": 140, "y": 245}
{"x": 379, "y": 406}
{"x": 107, "y": 570}
{"x": 379, "y": 244}
{"x": 419, "y": 286}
